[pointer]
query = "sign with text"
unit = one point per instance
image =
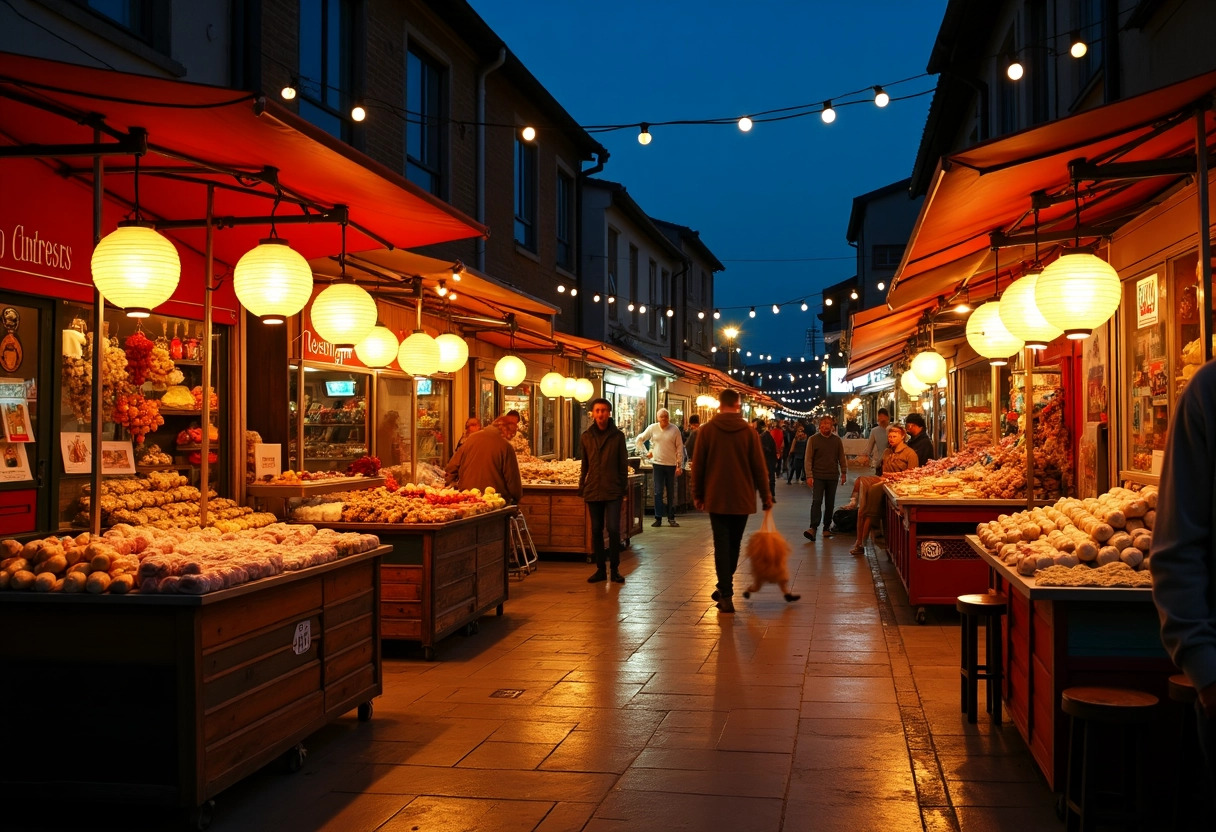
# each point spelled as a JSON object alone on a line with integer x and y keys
{"x": 1146, "y": 301}
{"x": 268, "y": 460}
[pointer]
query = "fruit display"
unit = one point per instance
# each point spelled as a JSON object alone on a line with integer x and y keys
{"x": 410, "y": 504}
{"x": 78, "y": 378}
{"x": 536, "y": 471}
{"x": 197, "y": 393}
{"x": 140, "y": 416}
{"x": 365, "y": 466}
{"x": 153, "y": 455}
{"x": 138, "y": 348}
{"x": 162, "y": 372}
{"x": 1114, "y": 528}
{"x": 177, "y": 397}
{"x": 129, "y": 560}
{"x": 194, "y": 435}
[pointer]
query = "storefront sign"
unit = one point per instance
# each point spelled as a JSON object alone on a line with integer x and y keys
{"x": 1146, "y": 301}
{"x": 268, "y": 460}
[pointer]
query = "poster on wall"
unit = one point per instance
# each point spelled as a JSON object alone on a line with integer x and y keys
{"x": 1146, "y": 301}
{"x": 14, "y": 464}
{"x": 77, "y": 452}
{"x": 16, "y": 418}
{"x": 1093, "y": 367}
{"x": 1087, "y": 461}
{"x": 117, "y": 458}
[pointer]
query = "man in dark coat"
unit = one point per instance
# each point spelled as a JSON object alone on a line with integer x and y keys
{"x": 728, "y": 470}
{"x": 487, "y": 459}
{"x": 768, "y": 446}
{"x": 918, "y": 438}
{"x": 602, "y": 483}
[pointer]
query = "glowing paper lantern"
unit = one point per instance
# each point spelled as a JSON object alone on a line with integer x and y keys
{"x": 552, "y": 384}
{"x": 1077, "y": 294}
{"x": 1021, "y": 316}
{"x": 569, "y": 386}
{"x": 510, "y": 371}
{"x": 583, "y": 389}
{"x": 989, "y": 337}
{"x": 378, "y": 349}
{"x": 343, "y": 314}
{"x": 136, "y": 269}
{"x": 419, "y": 354}
{"x": 929, "y": 367}
{"x": 911, "y": 384}
{"x": 453, "y": 352}
{"x": 274, "y": 282}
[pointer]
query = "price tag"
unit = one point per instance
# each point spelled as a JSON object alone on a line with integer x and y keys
{"x": 303, "y": 638}
{"x": 1158, "y": 461}
{"x": 268, "y": 460}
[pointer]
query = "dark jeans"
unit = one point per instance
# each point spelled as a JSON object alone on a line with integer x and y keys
{"x": 1207, "y": 742}
{"x": 772, "y": 479}
{"x": 605, "y": 512}
{"x": 824, "y": 492}
{"x": 664, "y": 477}
{"x": 728, "y": 537}
{"x": 795, "y": 469}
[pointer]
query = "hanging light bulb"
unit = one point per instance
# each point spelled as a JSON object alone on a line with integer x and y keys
{"x": 358, "y": 112}
{"x": 671, "y": 313}
{"x": 612, "y": 298}
{"x": 881, "y": 286}
{"x": 630, "y": 307}
{"x": 828, "y": 115}
{"x": 453, "y": 352}
{"x": 136, "y": 268}
{"x": 642, "y": 309}
{"x": 929, "y": 367}
{"x": 749, "y": 353}
{"x": 441, "y": 289}
{"x": 510, "y": 371}
{"x": 804, "y": 306}
{"x": 596, "y": 297}
{"x": 289, "y": 91}
{"x": 881, "y": 99}
{"x": 745, "y": 124}
{"x": 717, "y": 315}
{"x": 1077, "y": 47}
{"x": 379, "y": 348}
{"x": 700, "y": 314}
{"x": 551, "y": 384}
{"x": 776, "y": 309}
{"x": 573, "y": 292}
{"x": 987, "y": 334}
{"x": 343, "y": 314}
{"x": 584, "y": 389}
{"x": 853, "y": 295}
{"x": 751, "y": 312}
{"x": 561, "y": 288}
{"x": 1078, "y": 293}
{"x": 1015, "y": 70}
{"x": 457, "y": 268}
{"x": 1021, "y": 316}
{"x": 713, "y": 349}
{"x": 644, "y": 136}
{"x": 827, "y": 301}
{"x": 451, "y": 296}
{"x": 528, "y": 133}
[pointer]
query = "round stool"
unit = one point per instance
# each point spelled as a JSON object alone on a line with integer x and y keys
{"x": 972, "y": 608}
{"x": 1182, "y": 690}
{"x": 1128, "y": 709}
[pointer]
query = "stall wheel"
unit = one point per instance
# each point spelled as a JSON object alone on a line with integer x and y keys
{"x": 199, "y": 818}
{"x": 428, "y": 653}
{"x": 365, "y": 711}
{"x": 920, "y": 615}
{"x": 293, "y": 760}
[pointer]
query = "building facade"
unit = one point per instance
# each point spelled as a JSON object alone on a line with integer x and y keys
{"x": 694, "y": 294}
{"x": 879, "y": 226}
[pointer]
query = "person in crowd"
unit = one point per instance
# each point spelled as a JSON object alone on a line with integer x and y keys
{"x": 471, "y": 426}
{"x": 852, "y": 430}
{"x": 899, "y": 457}
{"x": 728, "y": 471}
{"x": 690, "y": 442}
{"x": 602, "y": 482}
{"x": 389, "y": 441}
{"x": 667, "y": 458}
{"x": 769, "y": 448}
{"x": 487, "y": 459}
{"x": 787, "y": 447}
{"x": 778, "y": 435}
{"x": 1183, "y": 561}
{"x": 797, "y": 470}
{"x": 878, "y": 444}
{"x": 918, "y": 438}
{"x": 827, "y": 460}
{"x": 517, "y": 438}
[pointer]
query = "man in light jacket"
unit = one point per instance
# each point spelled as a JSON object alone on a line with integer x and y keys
{"x": 876, "y": 448}
{"x": 602, "y": 482}
{"x": 727, "y": 473}
{"x": 667, "y": 458}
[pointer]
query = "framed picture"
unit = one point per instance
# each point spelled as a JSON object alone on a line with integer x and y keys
{"x": 14, "y": 464}
{"x": 117, "y": 458}
{"x": 16, "y": 419}
{"x": 77, "y": 450}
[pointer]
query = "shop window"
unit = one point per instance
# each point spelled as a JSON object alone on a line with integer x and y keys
{"x": 145, "y": 19}
{"x": 525, "y": 194}
{"x": 1148, "y": 376}
{"x": 614, "y": 245}
{"x": 652, "y": 293}
{"x": 546, "y": 427}
{"x": 565, "y": 220}
{"x": 520, "y": 398}
{"x": 325, "y": 64}
{"x": 425, "y": 121}
{"x": 885, "y": 256}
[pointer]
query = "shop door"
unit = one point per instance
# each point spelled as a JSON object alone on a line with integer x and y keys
{"x": 26, "y": 403}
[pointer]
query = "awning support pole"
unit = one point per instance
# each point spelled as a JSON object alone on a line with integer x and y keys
{"x": 134, "y": 143}
{"x": 1028, "y": 407}
{"x": 995, "y": 401}
{"x": 1205, "y": 242}
{"x": 204, "y": 466}
{"x": 98, "y": 345}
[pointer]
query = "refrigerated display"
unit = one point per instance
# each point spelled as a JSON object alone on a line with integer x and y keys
{"x": 329, "y": 418}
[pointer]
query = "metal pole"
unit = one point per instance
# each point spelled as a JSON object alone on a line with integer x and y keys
{"x": 1205, "y": 243}
{"x": 1028, "y": 405}
{"x": 204, "y": 467}
{"x": 995, "y": 396}
{"x": 98, "y": 345}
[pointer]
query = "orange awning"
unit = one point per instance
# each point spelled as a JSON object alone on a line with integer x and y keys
{"x": 988, "y": 187}
{"x": 879, "y": 335}
{"x": 591, "y": 350}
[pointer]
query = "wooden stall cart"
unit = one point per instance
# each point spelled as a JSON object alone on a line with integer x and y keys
{"x": 1060, "y": 637}
{"x": 282, "y": 492}
{"x": 439, "y": 577}
{"x": 559, "y": 521}
{"x": 169, "y": 699}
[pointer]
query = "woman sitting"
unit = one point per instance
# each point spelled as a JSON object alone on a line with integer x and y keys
{"x": 899, "y": 457}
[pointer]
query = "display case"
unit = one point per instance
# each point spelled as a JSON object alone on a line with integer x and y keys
{"x": 329, "y": 417}
{"x": 1147, "y": 371}
{"x": 546, "y": 428}
{"x": 629, "y": 411}
{"x": 519, "y": 398}
{"x": 432, "y": 420}
{"x": 975, "y": 397}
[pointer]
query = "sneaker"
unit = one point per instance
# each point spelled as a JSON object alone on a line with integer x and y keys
{"x": 599, "y": 575}
{"x": 656, "y": 523}
{"x": 617, "y": 577}
{"x": 672, "y": 522}
{"x": 791, "y": 597}
{"x": 809, "y": 534}
{"x": 726, "y": 605}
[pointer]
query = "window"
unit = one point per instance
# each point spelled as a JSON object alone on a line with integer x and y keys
{"x": 525, "y": 194}
{"x": 665, "y": 302}
{"x": 1007, "y": 90}
{"x": 1091, "y": 28}
{"x": 633, "y": 283}
{"x": 425, "y": 121}
{"x": 1039, "y": 95}
{"x": 565, "y": 224}
{"x": 145, "y": 19}
{"x": 886, "y": 257}
{"x": 325, "y": 75}
{"x": 614, "y": 253}
{"x": 652, "y": 293}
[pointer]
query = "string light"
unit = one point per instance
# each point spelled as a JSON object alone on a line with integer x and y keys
{"x": 644, "y": 136}
{"x": 630, "y": 307}
{"x": 827, "y": 301}
{"x": 442, "y": 289}
{"x": 701, "y": 315}
{"x": 745, "y": 124}
{"x": 881, "y": 286}
{"x": 671, "y": 313}
{"x": 717, "y": 315}
{"x": 612, "y": 298}
{"x": 358, "y": 112}
{"x": 561, "y": 288}
{"x": 1015, "y": 70}
{"x": 596, "y": 297}
{"x": 828, "y": 115}
{"x": 642, "y": 309}
{"x": 457, "y": 268}
{"x": 776, "y": 309}
{"x": 1078, "y": 48}
{"x": 752, "y": 312}
{"x": 804, "y": 306}
{"x": 881, "y": 99}
{"x": 574, "y": 293}
{"x": 289, "y": 92}
{"x": 528, "y": 133}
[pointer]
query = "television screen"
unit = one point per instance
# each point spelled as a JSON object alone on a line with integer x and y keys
{"x": 340, "y": 388}
{"x": 424, "y": 387}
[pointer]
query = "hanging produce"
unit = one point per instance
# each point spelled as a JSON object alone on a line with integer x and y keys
{"x": 140, "y": 416}
{"x": 138, "y": 348}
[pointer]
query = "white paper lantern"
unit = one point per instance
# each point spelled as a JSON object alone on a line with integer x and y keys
{"x": 510, "y": 371}
{"x": 989, "y": 337}
{"x": 378, "y": 349}
{"x": 929, "y": 367}
{"x": 274, "y": 282}
{"x": 583, "y": 389}
{"x": 343, "y": 314}
{"x": 552, "y": 384}
{"x": 911, "y": 384}
{"x": 1078, "y": 293}
{"x": 1021, "y": 315}
{"x": 453, "y": 352}
{"x": 419, "y": 354}
{"x": 569, "y": 387}
{"x": 136, "y": 269}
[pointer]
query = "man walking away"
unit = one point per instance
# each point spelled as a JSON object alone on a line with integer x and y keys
{"x": 918, "y": 437}
{"x": 602, "y": 482}
{"x": 667, "y": 455}
{"x": 797, "y": 457}
{"x": 727, "y": 472}
{"x": 827, "y": 460}
{"x": 877, "y": 446}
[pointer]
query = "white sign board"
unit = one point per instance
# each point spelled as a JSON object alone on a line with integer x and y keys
{"x": 1146, "y": 301}
{"x": 302, "y": 639}
{"x": 268, "y": 460}
{"x": 836, "y": 382}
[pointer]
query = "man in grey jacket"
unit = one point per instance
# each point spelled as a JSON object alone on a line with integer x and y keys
{"x": 825, "y": 459}
{"x": 1183, "y": 562}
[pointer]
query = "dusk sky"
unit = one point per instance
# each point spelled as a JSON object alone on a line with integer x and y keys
{"x": 782, "y": 192}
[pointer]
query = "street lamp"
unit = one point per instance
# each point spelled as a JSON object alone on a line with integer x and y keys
{"x": 731, "y": 332}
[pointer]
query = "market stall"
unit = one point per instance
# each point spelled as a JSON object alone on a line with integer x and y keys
{"x": 559, "y": 521}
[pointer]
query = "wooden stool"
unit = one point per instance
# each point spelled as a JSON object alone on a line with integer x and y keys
{"x": 972, "y": 608}
{"x": 1112, "y": 706}
{"x": 1182, "y": 690}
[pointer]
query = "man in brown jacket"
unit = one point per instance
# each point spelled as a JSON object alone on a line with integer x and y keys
{"x": 728, "y": 470}
{"x": 487, "y": 459}
{"x": 602, "y": 481}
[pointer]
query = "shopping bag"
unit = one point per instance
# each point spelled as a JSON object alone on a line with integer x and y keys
{"x": 769, "y": 553}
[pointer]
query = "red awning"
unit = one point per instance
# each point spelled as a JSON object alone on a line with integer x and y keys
{"x": 204, "y": 133}
{"x": 879, "y": 336}
{"x": 988, "y": 187}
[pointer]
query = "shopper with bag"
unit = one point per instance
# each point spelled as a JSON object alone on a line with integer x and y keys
{"x": 769, "y": 553}
{"x": 728, "y": 470}
{"x": 827, "y": 460}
